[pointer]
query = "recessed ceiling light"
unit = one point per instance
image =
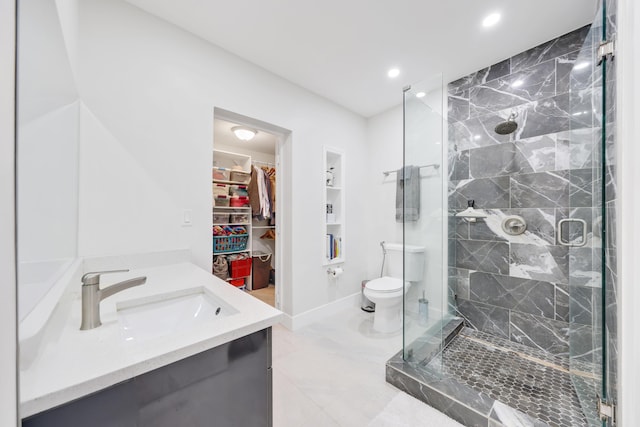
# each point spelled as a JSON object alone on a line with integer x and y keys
{"x": 581, "y": 65}
{"x": 420, "y": 95}
{"x": 393, "y": 73}
{"x": 244, "y": 133}
{"x": 491, "y": 20}
{"x": 517, "y": 83}
{"x": 477, "y": 137}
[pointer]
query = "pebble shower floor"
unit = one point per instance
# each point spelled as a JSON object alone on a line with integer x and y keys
{"x": 528, "y": 380}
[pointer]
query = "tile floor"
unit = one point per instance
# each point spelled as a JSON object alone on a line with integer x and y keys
{"x": 332, "y": 373}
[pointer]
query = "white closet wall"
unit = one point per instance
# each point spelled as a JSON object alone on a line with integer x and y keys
{"x": 237, "y": 148}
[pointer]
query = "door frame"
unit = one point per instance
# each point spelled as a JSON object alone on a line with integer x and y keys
{"x": 283, "y": 246}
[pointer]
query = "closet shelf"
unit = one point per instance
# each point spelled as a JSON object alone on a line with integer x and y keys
{"x": 264, "y": 226}
{"x": 331, "y": 187}
{"x": 232, "y": 223}
{"x": 246, "y": 208}
{"x": 231, "y": 252}
{"x": 220, "y": 181}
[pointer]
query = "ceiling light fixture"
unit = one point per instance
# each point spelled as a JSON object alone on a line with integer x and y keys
{"x": 491, "y": 20}
{"x": 393, "y": 73}
{"x": 517, "y": 83}
{"x": 244, "y": 133}
{"x": 420, "y": 95}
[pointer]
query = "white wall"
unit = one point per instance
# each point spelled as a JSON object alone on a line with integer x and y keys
{"x": 384, "y": 139}
{"x": 46, "y": 81}
{"x": 8, "y": 335}
{"x": 148, "y": 91}
{"x": 628, "y": 92}
{"x": 47, "y": 146}
{"x": 255, "y": 155}
{"x": 48, "y": 185}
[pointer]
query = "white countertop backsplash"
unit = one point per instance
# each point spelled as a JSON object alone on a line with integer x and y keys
{"x": 67, "y": 363}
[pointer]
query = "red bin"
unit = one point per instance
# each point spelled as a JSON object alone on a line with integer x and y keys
{"x": 239, "y": 201}
{"x": 240, "y": 268}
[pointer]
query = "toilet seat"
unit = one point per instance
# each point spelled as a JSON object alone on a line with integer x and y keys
{"x": 385, "y": 285}
{"x": 387, "y": 293}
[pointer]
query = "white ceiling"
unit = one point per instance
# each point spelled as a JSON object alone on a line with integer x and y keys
{"x": 342, "y": 49}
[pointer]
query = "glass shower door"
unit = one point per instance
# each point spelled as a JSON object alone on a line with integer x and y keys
{"x": 425, "y": 300}
{"x": 587, "y": 227}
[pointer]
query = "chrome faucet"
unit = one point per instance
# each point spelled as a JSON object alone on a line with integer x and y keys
{"x": 92, "y": 295}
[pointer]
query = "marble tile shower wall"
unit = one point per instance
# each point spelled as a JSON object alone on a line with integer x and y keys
{"x": 517, "y": 287}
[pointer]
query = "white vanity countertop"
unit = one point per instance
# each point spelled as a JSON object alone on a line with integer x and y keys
{"x": 73, "y": 363}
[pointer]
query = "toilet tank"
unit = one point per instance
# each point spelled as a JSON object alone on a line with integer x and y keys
{"x": 414, "y": 271}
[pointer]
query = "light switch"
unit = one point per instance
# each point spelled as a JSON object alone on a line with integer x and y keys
{"x": 187, "y": 218}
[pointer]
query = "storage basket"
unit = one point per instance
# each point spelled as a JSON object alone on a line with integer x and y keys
{"x": 240, "y": 268}
{"x": 220, "y": 218}
{"x": 239, "y": 218}
{"x": 221, "y": 201}
{"x": 238, "y": 190}
{"x": 235, "y": 242}
{"x": 220, "y": 267}
{"x": 261, "y": 270}
{"x": 220, "y": 174}
{"x": 220, "y": 190}
{"x": 239, "y": 201}
{"x": 242, "y": 177}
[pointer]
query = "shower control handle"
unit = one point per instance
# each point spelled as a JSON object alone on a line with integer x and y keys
{"x": 514, "y": 225}
{"x": 583, "y": 225}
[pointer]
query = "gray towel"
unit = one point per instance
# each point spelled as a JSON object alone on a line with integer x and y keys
{"x": 408, "y": 189}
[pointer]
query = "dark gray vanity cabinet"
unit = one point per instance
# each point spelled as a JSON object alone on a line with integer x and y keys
{"x": 227, "y": 386}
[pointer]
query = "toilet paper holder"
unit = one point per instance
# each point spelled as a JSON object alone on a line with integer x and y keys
{"x": 335, "y": 271}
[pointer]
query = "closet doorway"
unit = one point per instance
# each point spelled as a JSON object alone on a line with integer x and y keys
{"x": 247, "y": 218}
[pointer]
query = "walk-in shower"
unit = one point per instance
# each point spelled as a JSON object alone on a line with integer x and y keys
{"x": 521, "y": 327}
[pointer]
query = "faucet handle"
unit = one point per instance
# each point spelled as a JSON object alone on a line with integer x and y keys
{"x": 93, "y": 277}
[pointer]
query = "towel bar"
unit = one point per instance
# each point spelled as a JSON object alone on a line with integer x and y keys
{"x": 432, "y": 165}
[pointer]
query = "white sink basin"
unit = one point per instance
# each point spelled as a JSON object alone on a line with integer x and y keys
{"x": 168, "y": 314}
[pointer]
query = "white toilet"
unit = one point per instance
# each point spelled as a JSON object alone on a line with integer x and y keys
{"x": 387, "y": 292}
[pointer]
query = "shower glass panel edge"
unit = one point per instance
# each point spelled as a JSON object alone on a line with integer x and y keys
{"x": 588, "y": 268}
{"x": 425, "y": 302}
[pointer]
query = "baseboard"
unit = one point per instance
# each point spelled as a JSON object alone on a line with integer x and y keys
{"x": 286, "y": 321}
{"x": 301, "y": 320}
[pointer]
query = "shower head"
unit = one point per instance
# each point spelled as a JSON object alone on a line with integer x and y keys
{"x": 510, "y": 126}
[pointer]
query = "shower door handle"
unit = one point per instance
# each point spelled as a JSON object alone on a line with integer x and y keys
{"x": 583, "y": 225}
